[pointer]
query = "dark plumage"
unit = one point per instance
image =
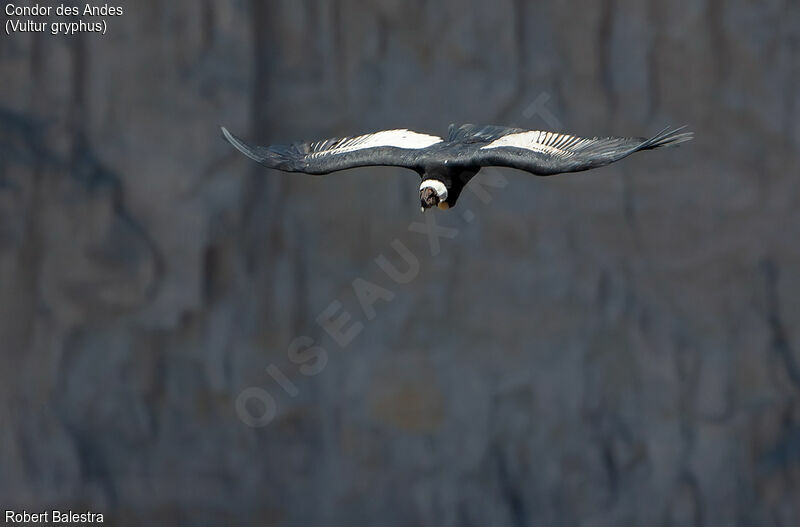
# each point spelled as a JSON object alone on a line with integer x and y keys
{"x": 446, "y": 166}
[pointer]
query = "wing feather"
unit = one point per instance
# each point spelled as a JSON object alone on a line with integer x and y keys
{"x": 545, "y": 153}
{"x": 385, "y": 148}
{"x": 471, "y": 133}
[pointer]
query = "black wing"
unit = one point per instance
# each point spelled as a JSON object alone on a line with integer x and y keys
{"x": 399, "y": 148}
{"x": 546, "y": 153}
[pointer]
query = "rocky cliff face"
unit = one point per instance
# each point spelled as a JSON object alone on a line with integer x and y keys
{"x": 614, "y": 347}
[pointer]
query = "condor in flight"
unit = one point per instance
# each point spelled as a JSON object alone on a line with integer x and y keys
{"x": 447, "y": 165}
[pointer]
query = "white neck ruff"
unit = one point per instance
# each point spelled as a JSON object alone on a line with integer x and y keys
{"x": 437, "y": 187}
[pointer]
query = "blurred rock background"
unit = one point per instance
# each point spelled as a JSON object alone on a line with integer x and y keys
{"x": 617, "y": 347}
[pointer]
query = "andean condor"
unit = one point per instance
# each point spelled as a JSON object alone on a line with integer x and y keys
{"x": 447, "y": 165}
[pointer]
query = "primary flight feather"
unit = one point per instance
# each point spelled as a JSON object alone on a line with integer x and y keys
{"x": 447, "y": 165}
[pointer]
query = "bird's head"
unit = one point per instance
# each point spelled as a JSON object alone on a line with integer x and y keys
{"x": 428, "y": 198}
{"x": 432, "y": 193}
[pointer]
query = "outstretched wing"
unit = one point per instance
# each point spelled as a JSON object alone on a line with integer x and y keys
{"x": 399, "y": 148}
{"x": 546, "y": 153}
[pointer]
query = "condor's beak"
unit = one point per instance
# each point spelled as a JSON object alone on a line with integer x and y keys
{"x": 422, "y": 209}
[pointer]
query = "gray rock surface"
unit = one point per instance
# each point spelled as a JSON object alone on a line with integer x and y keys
{"x": 617, "y": 347}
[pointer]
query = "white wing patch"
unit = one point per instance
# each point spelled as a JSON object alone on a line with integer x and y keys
{"x": 396, "y": 138}
{"x": 551, "y": 143}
